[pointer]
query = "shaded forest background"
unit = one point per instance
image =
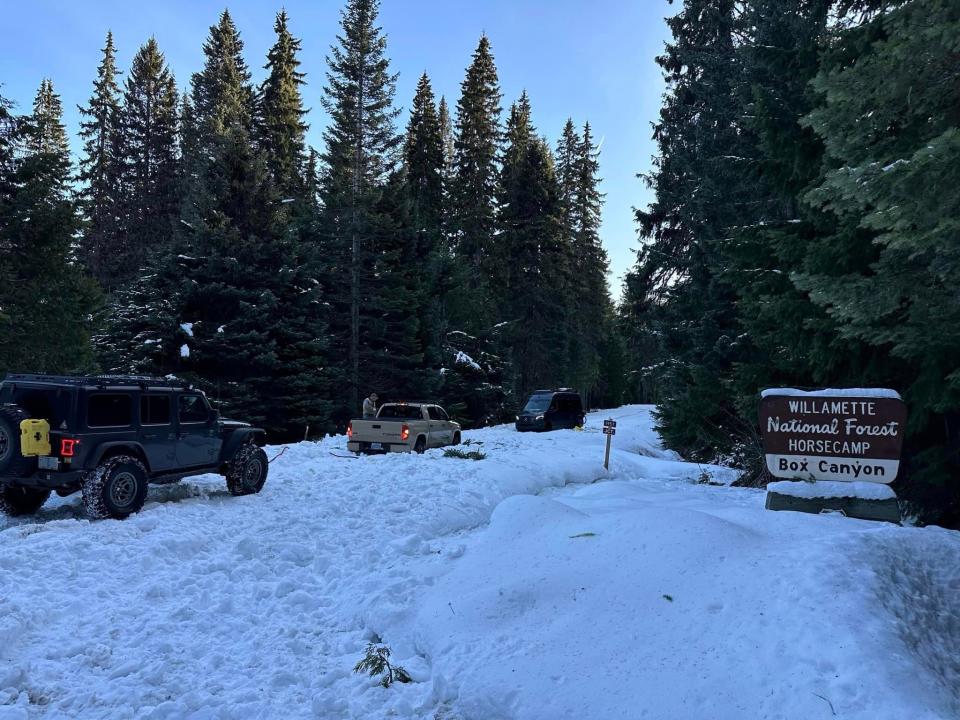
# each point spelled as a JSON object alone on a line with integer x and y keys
{"x": 455, "y": 259}
{"x": 806, "y": 228}
{"x": 805, "y": 232}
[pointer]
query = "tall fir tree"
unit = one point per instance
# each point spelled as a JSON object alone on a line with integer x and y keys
{"x": 45, "y": 302}
{"x": 301, "y": 383}
{"x": 447, "y": 139}
{"x": 888, "y": 274}
{"x": 360, "y": 200}
{"x": 568, "y": 151}
{"x": 280, "y": 115}
{"x": 473, "y": 193}
{"x": 101, "y": 173}
{"x": 150, "y": 141}
{"x": 786, "y": 341}
{"x": 532, "y": 258}
{"x": 698, "y": 181}
{"x": 592, "y": 314}
{"x": 423, "y": 165}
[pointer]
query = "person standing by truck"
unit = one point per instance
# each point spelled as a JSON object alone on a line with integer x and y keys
{"x": 370, "y": 406}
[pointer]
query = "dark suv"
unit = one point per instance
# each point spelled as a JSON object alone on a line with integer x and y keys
{"x": 109, "y": 436}
{"x": 551, "y": 410}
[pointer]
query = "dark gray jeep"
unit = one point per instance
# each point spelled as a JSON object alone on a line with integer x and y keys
{"x": 110, "y": 436}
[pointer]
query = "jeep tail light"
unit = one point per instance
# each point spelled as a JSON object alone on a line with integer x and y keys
{"x": 67, "y": 447}
{"x": 349, "y": 430}
{"x": 405, "y": 432}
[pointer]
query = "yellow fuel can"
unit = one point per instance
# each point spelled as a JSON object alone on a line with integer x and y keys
{"x": 34, "y": 438}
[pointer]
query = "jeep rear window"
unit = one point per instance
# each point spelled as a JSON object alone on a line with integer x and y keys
{"x": 155, "y": 410}
{"x": 105, "y": 410}
{"x": 50, "y": 404}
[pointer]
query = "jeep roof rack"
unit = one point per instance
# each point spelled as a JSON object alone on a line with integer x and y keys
{"x": 98, "y": 380}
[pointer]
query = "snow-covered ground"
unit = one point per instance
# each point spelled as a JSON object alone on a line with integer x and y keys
{"x": 530, "y": 584}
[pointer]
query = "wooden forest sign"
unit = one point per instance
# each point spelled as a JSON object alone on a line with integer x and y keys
{"x": 849, "y": 435}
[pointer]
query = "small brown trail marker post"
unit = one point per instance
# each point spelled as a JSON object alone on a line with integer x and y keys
{"x": 609, "y": 429}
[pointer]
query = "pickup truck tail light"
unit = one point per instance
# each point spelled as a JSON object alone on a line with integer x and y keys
{"x": 349, "y": 430}
{"x": 68, "y": 446}
{"x": 405, "y": 432}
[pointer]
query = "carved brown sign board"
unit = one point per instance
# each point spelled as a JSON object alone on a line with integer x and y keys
{"x": 849, "y": 435}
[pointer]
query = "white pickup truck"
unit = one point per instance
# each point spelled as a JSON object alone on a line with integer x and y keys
{"x": 402, "y": 427}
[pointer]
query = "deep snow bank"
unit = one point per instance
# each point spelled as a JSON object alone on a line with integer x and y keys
{"x": 208, "y": 606}
{"x": 629, "y": 600}
{"x": 205, "y": 605}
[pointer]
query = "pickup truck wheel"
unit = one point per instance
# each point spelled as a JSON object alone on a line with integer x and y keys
{"x": 12, "y": 463}
{"x": 116, "y": 488}
{"x": 420, "y": 446}
{"x": 247, "y": 472}
{"x": 456, "y": 438}
{"x": 15, "y": 501}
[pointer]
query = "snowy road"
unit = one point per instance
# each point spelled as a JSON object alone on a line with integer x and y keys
{"x": 642, "y": 596}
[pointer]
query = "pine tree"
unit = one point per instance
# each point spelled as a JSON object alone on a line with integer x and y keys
{"x": 592, "y": 308}
{"x": 423, "y": 163}
{"x": 473, "y": 194}
{"x": 532, "y": 258}
{"x": 446, "y": 140}
{"x": 785, "y": 339}
{"x": 227, "y": 259}
{"x": 360, "y": 156}
{"x": 45, "y": 302}
{"x": 699, "y": 183}
{"x": 889, "y": 273}
{"x": 299, "y": 393}
{"x": 281, "y": 127}
{"x": 101, "y": 173}
{"x": 150, "y": 131}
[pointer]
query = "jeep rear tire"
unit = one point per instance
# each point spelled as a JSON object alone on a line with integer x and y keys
{"x": 12, "y": 462}
{"x": 16, "y": 501}
{"x": 116, "y": 489}
{"x": 247, "y": 472}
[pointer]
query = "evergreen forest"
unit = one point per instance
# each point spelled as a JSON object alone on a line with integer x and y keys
{"x": 804, "y": 231}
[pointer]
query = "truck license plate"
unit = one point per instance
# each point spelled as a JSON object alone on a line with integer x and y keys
{"x": 376, "y": 446}
{"x": 46, "y": 462}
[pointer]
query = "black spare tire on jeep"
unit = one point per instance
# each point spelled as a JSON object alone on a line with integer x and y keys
{"x": 12, "y": 462}
{"x": 247, "y": 471}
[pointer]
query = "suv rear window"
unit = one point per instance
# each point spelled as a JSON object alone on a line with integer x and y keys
{"x": 155, "y": 410}
{"x": 569, "y": 403}
{"x": 109, "y": 410}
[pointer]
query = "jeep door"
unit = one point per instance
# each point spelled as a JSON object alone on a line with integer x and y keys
{"x": 198, "y": 436}
{"x": 157, "y": 434}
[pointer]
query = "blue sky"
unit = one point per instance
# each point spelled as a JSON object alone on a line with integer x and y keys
{"x": 586, "y": 59}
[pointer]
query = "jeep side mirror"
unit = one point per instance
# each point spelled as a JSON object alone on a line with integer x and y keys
{"x": 214, "y": 416}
